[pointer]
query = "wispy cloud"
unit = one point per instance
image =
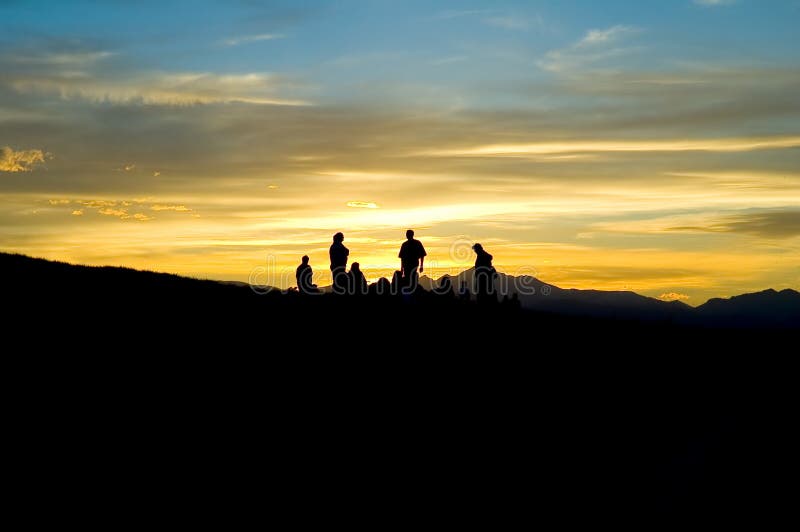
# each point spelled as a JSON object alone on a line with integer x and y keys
{"x": 613, "y": 34}
{"x": 75, "y": 59}
{"x": 123, "y": 214}
{"x": 96, "y": 204}
{"x": 161, "y": 88}
{"x": 102, "y": 76}
{"x": 245, "y": 39}
{"x": 606, "y": 146}
{"x": 121, "y": 208}
{"x": 765, "y": 224}
{"x": 109, "y": 211}
{"x": 22, "y": 160}
{"x": 597, "y": 45}
{"x": 362, "y": 204}
{"x": 165, "y": 207}
{"x": 713, "y": 3}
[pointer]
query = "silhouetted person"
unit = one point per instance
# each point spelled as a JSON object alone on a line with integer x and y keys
{"x": 382, "y": 287}
{"x": 339, "y": 254}
{"x": 484, "y": 276}
{"x": 412, "y": 256}
{"x": 357, "y": 281}
{"x": 304, "y": 275}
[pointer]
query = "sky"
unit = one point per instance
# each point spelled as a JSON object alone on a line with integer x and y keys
{"x": 621, "y": 145}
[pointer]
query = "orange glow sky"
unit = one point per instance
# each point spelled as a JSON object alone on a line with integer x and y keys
{"x": 613, "y": 147}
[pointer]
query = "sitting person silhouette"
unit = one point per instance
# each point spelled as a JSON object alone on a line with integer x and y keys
{"x": 339, "y": 254}
{"x": 304, "y": 275}
{"x": 412, "y": 256}
{"x": 357, "y": 281}
{"x": 484, "y": 276}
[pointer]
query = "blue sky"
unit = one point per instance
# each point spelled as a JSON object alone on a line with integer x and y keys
{"x": 336, "y": 45}
{"x": 651, "y": 146}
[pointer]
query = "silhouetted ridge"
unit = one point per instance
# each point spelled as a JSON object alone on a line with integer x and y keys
{"x": 39, "y": 282}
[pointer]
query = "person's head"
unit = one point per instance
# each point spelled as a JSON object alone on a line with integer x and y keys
{"x": 305, "y": 259}
{"x": 410, "y": 234}
{"x": 355, "y": 267}
{"x": 477, "y": 247}
{"x": 338, "y": 237}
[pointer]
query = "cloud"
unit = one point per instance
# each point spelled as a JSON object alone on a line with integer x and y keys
{"x": 593, "y": 48}
{"x": 101, "y": 76}
{"x": 773, "y": 224}
{"x": 713, "y": 3}
{"x": 362, "y": 204}
{"x": 176, "y": 208}
{"x": 163, "y": 88}
{"x": 244, "y": 39}
{"x": 595, "y": 38}
{"x": 98, "y": 203}
{"x": 611, "y": 146}
{"x": 673, "y": 296}
{"x": 123, "y": 214}
{"x": 22, "y": 160}
{"x": 108, "y": 211}
{"x": 120, "y": 208}
{"x": 74, "y": 59}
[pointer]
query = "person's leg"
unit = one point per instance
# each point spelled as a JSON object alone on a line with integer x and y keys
{"x": 339, "y": 280}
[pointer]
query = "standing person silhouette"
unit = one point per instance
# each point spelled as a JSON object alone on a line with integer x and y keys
{"x": 304, "y": 275}
{"x": 339, "y": 254}
{"x": 412, "y": 256}
{"x": 484, "y": 276}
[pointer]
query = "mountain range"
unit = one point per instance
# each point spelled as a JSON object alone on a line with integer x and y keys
{"x": 761, "y": 309}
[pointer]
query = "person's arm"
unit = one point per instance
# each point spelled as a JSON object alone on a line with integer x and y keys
{"x": 422, "y": 264}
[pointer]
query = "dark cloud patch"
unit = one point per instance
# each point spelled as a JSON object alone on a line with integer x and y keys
{"x": 765, "y": 224}
{"x": 775, "y": 224}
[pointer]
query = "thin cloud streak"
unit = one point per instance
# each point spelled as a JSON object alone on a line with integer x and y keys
{"x": 601, "y": 146}
{"x": 245, "y": 39}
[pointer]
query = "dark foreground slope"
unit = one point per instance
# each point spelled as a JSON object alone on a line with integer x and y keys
{"x": 465, "y": 406}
